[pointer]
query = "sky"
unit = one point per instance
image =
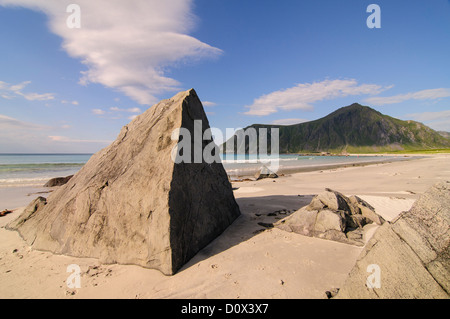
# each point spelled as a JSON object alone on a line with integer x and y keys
{"x": 72, "y": 76}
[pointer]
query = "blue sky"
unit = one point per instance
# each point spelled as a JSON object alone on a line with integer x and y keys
{"x": 252, "y": 61}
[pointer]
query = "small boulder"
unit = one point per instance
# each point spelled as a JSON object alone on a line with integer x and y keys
{"x": 316, "y": 204}
{"x": 265, "y": 172}
{"x": 5, "y": 212}
{"x": 362, "y": 207}
{"x": 329, "y": 220}
{"x": 371, "y": 215}
{"x": 356, "y": 235}
{"x": 58, "y": 181}
{"x": 331, "y": 215}
{"x": 302, "y": 222}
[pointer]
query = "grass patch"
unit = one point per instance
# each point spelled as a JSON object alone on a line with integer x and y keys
{"x": 428, "y": 151}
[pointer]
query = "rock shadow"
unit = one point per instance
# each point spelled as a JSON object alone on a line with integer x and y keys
{"x": 257, "y": 214}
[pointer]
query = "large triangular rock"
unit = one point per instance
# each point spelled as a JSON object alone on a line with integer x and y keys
{"x": 132, "y": 204}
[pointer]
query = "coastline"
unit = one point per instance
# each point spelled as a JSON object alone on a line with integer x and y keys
{"x": 16, "y": 195}
{"x": 283, "y": 170}
{"x": 335, "y": 166}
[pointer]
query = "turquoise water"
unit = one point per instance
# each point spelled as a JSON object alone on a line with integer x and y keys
{"x": 291, "y": 162}
{"x": 37, "y": 169}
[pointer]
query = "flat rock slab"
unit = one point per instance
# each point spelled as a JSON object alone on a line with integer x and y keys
{"x": 411, "y": 255}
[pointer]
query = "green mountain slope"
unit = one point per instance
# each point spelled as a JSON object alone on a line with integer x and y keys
{"x": 355, "y": 129}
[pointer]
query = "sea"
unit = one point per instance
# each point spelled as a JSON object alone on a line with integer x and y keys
{"x": 34, "y": 170}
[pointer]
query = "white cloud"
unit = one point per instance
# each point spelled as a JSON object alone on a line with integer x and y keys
{"x": 38, "y": 97}
{"x": 64, "y": 139}
{"x": 439, "y": 121}
{"x": 114, "y": 112}
{"x": 18, "y": 136}
{"x": 7, "y": 123}
{"x": 127, "y": 45}
{"x": 432, "y": 94}
{"x": 209, "y": 104}
{"x": 70, "y": 102}
{"x": 98, "y": 112}
{"x": 130, "y": 110}
{"x": 302, "y": 96}
{"x": 430, "y": 116}
{"x": 289, "y": 121}
{"x": 10, "y": 91}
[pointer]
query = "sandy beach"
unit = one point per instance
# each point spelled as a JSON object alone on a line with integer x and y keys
{"x": 247, "y": 260}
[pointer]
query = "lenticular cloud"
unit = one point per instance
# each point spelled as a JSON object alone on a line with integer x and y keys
{"x": 126, "y": 45}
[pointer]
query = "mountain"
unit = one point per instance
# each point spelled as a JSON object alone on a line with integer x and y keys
{"x": 444, "y": 134}
{"x": 354, "y": 129}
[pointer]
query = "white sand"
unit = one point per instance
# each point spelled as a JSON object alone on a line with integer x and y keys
{"x": 243, "y": 262}
{"x": 14, "y": 197}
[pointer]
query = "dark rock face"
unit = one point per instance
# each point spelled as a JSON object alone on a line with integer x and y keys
{"x": 132, "y": 204}
{"x": 412, "y": 253}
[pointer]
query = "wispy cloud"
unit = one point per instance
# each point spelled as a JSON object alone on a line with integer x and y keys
{"x": 130, "y": 110}
{"x": 22, "y": 136}
{"x": 11, "y": 91}
{"x": 303, "y": 96}
{"x": 289, "y": 121}
{"x": 70, "y": 102}
{"x": 98, "y": 112}
{"x": 209, "y": 104}
{"x": 117, "y": 112}
{"x": 439, "y": 121}
{"x": 7, "y": 123}
{"x": 64, "y": 139}
{"x": 432, "y": 94}
{"x": 127, "y": 45}
{"x": 429, "y": 116}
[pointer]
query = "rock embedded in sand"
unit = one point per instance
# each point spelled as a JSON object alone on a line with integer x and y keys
{"x": 333, "y": 216}
{"x": 365, "y": 209}
{"x": 28, "y": 212}
{"x": 58, "y": 181}
{"x": 411, "y": 254}
{"x": 132, "y": 204}
{"x": 5, "y": 212}
{"x": 265, "y": 172}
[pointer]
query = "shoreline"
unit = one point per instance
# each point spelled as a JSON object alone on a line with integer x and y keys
{"x": 320, "y": 167}
{"x": 334, "y": 166}
{"x": 16, "y": 196}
